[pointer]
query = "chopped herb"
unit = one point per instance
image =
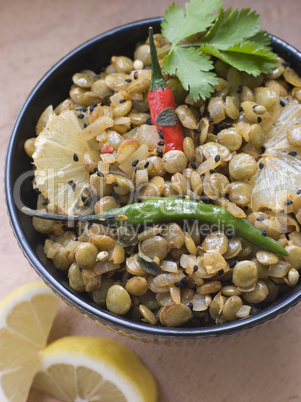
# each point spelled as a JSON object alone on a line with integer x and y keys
{"x": 233, "y": 36}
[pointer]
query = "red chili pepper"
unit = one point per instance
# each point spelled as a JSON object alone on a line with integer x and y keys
{"x": 160, "y": 98}
{"x": 107, "y": 149}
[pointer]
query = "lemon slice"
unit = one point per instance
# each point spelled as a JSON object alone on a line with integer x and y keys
{"x": 60, "y": 174}
{"x": 26, "y": 316}
{"x": 83, "y": 368}
{"x": 279, "y": 178}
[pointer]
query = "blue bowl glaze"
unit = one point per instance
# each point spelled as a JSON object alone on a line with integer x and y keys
{"x": 52, "y": 89}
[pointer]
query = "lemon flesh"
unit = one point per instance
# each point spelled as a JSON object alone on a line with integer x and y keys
{"x": 26, "y": 317}
{"x": 83, "y": 368}
{"x": 280, "y": 177}
{"x": 60, "y": 174}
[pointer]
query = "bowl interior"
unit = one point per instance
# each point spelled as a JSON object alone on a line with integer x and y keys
{"x": 52, "y": 89}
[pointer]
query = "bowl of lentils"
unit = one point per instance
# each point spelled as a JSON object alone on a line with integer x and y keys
{"x": 163, "y": 203}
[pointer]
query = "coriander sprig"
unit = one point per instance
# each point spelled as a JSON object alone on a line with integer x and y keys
{"x": 233, "y": 36}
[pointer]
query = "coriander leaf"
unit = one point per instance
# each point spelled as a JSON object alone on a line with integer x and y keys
{"x": 192, "y": 68}
{"x": 245, "y": 57}
{"x": 262, "y": 39}
{"x": 199, "y": 17}
{"x": 232, "y": 27}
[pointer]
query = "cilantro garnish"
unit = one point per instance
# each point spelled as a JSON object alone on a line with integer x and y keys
{"x": 233, "y": 36}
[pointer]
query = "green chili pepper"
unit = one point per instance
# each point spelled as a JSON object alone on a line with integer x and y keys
{"x": 163, "y": 210}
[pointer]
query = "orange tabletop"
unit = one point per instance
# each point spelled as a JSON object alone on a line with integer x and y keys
{"x": 261, "y": 365}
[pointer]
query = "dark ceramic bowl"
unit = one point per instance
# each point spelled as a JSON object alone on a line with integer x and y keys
{"x": 52, "y": 89}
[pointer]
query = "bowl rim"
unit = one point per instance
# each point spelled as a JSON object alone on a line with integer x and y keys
{"x": 102, "y": 316}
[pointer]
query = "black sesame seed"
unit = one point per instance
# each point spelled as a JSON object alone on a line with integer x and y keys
{"x": 181, "y": 196}
{"x": 80, "y": 269}
{"x": 135, "y": 75}
{"x": 75, "y": 157}
{"x": 89, "y": 225}
{"x": 128, "y": 80}
{"x": 73, "y": 186}
{"x": 193, "y": 165}
{"x": 179, "y": 284}
{"x": 260, "y": 218}
{"x": 85, "y": 125}
{"x": 239, "y": 89}
{"x": 160, "y": 152}
{"x": 299, "y": 192}
{"x": 282, "y": 103}
{"x": 282, "y": 211}
{"x": 148, "y": 121}
{"x": 160, "y": 134}
{"x": 115, "y": 184}
{"x": 288, "y": 202}
{"x": 136, "y": 169}
{"x": 210, "y": 120}
{"x": 146, "y": 165}
{"x": 195, "y": 268}
{"x": 197, "y": 131}
{"x": 264, "y": 233}
{"x": 212, "y": 171}
{"x": 81, "y": 116}
{"x": 184, "y": 281}
{"x": 286, "y": 64}
{"x": 224, "y": 98}
{"x": 37, "y": 190}
{"x": 293, "y": 153}
{"x": 99, "y": 174}
{"x": 261, "y": 165}
{"x": 217, "y": 158}
{"x": 122, "y": 100}
{"x": 91, "y": 108}
{"x": 114, "y": 194}
{"x": 221, "y": 272}
{"x": 135, "y": 163}
{"x": 259, "y": 119}
{"x": 232, "y": 264}
{"x": 84, "y": 199}
{"x": 70, "y": 182}
{"x": 161, "y": 143}
{"x": 254, "y": 106}
{"x": 95, "y": 170}
{"x": 190, "y": 305}
{"x": 46, "y": 202}
{"x": 262, "y": 149}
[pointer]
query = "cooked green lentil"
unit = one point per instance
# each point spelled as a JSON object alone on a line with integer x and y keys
{"x": 206, "y": 275}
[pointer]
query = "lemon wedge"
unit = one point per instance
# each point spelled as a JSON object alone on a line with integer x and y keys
{"x": 26, "y": 317}
{"x": 60, "y": 174}
{"x": 279, "y": 176}
{"x": 83, "y": 368}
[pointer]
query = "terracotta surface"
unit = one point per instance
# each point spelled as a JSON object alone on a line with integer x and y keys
{"x": 263, "y": 365}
